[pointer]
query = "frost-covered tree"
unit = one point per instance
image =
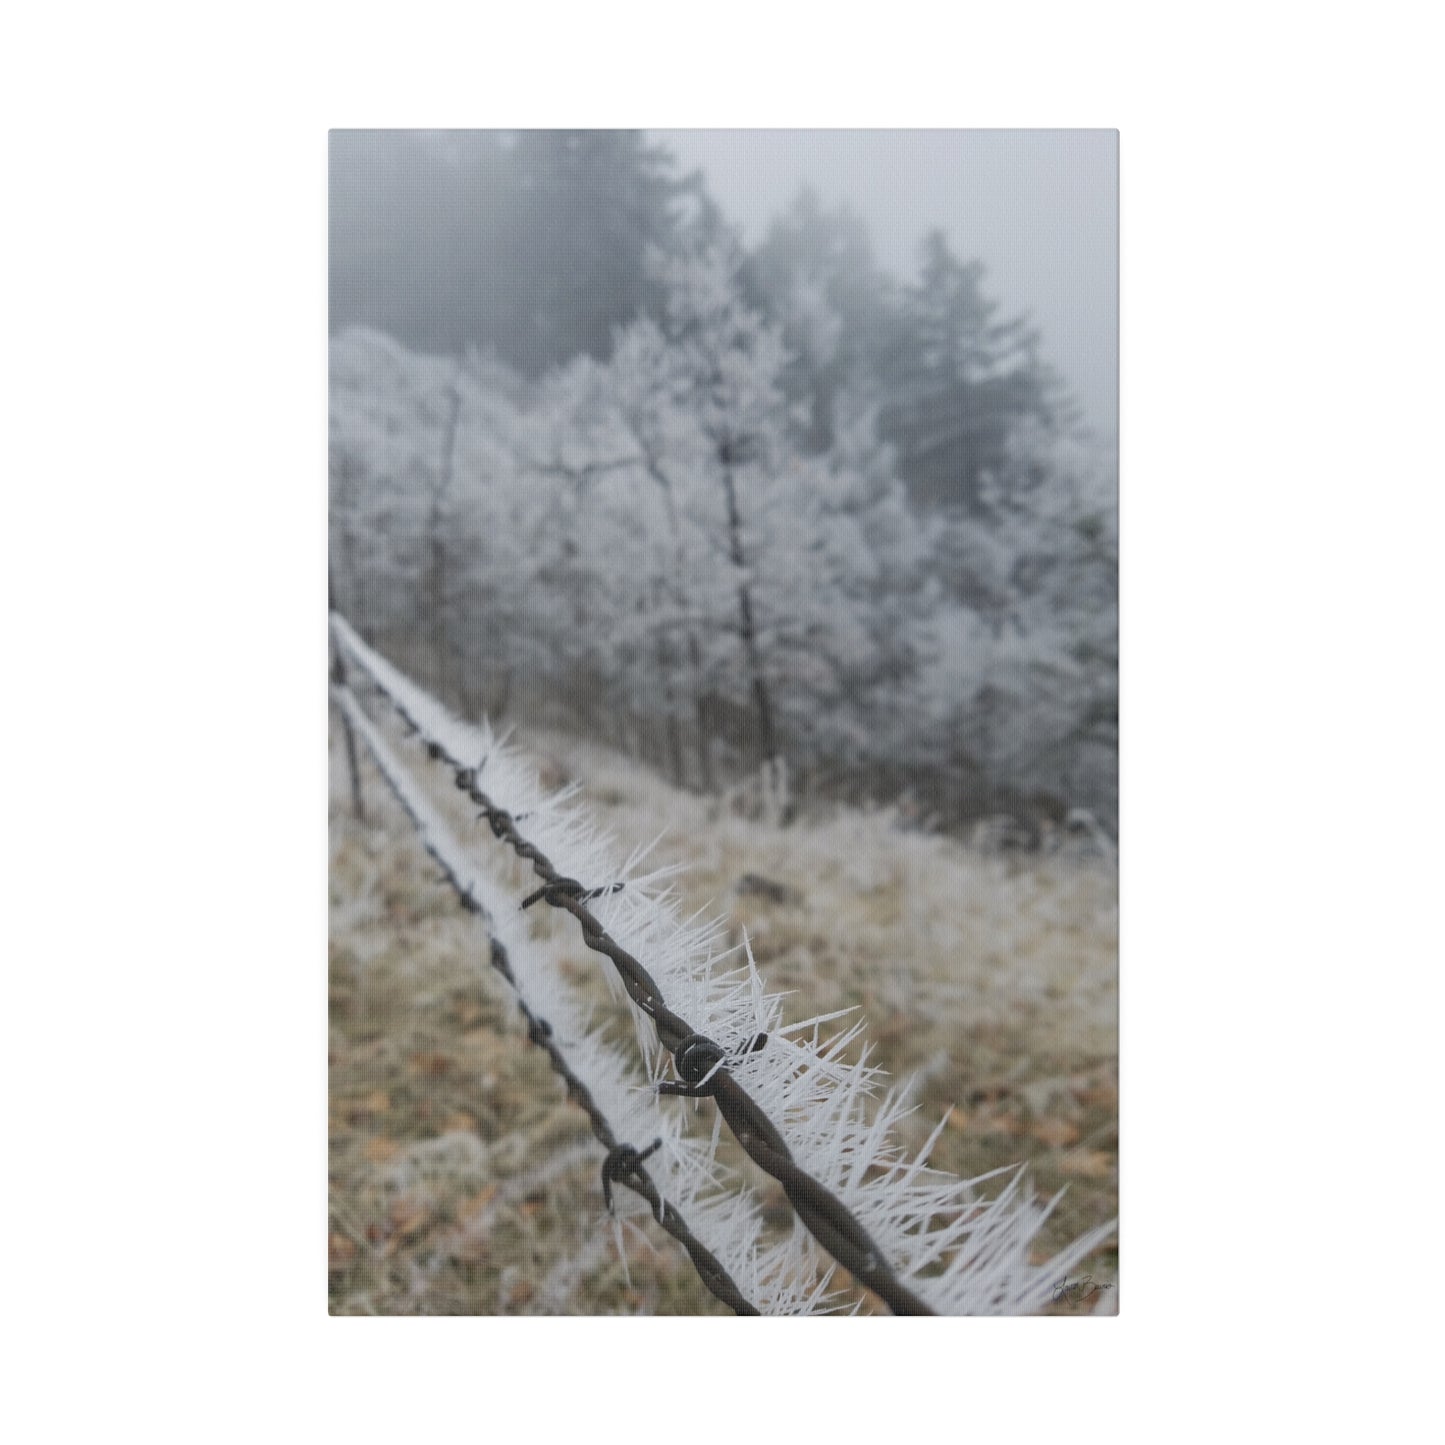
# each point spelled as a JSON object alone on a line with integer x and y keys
{"x": 424, "y": 500}
{"x": 814, "y": 275}
{"x": 668, "y": 456}
{"x": 644, "y": 549}
{"x": 958, "y": 382}
{"x": 702, "y": 569}
{"x": 1066, "y": 578}
{"x": 784, "y": 564}
{"x": 1025, "y": 642}
{"x": 725, "y": 361}
{"x": 388, "y": 409}
{"x": 599, "y": 560}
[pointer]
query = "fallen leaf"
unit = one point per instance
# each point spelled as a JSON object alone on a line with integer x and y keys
{"x": 340, "y": 1251}
{"x": 431, "y": 1066}
{"x": 379, "y": 1149}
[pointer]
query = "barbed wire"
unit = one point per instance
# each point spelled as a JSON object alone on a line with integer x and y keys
{"x": 700, "y": 1062}
{"x": 623, "y": 1163}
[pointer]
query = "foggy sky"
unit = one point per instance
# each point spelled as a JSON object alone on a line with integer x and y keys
{"x": 1038, "y": 207}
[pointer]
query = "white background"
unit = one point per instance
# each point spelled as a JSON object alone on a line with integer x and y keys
{"x": 164, "y": 459}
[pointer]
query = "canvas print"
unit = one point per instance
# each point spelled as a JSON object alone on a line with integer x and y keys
{"x": 723, "y": 575}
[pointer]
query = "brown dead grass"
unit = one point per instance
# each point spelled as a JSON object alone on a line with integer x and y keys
{"x": 463, "y": 1182}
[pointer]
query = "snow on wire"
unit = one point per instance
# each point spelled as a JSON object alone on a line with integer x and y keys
{"x": 925, "y": 1242}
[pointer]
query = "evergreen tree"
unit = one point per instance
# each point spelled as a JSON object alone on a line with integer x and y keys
{"x": 582, "y": 210}
{"x": 958, "y": 382}
{"x": 531, "y": 244}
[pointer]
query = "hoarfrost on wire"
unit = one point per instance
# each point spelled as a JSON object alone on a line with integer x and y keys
{"x": 960, "y": 1250}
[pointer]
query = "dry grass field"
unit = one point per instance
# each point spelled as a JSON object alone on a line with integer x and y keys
{"x": 462, "y": 1181}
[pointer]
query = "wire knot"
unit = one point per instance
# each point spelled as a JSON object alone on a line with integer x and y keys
{"x": 554, "y": 891}
{"x": 621, "y": 1163}
{"x": 696, "y": 1056}
{"x": 557, "y": 889}
{"x": 697, "y": 1059}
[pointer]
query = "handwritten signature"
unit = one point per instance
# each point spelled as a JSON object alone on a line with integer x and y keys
{"x": 1079, "y": 1291}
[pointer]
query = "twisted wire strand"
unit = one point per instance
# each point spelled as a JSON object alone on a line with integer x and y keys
{"x": 623, "y": 1164}
{"x": 826, "y": 1217}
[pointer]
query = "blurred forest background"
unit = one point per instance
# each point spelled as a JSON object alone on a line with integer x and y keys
{"x": 764, "y": 511}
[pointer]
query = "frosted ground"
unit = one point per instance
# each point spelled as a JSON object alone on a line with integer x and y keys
{"x": 463, "y": 1182}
